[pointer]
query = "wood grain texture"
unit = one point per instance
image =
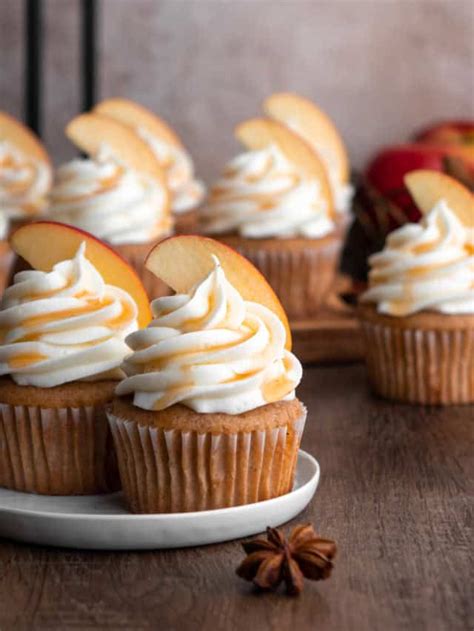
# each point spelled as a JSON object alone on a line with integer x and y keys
{"x": 394, "y": 494}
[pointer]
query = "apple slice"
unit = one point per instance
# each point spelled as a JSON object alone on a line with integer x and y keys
{"x": 313, "y": 124}
{"x": 45, "y": 243}
{"x": 428, "y": 187}
{"x": 135, "y": 115}
{"x": 90, "y": 131}
{"x": 183, "y": 261}
{"x": 258, "y": 133}
{"x": 23, "y": 138}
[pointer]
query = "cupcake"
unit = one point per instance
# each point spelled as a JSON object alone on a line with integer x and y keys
{"x": 187, "y": 192}
{"x": 25, "y": 172}
{"x": 418, "y": 313}
{"x": 119, "y": 193}
{"x": 207, "y": 416}
{"x": 63, "y": 330}
{"x": 6, "y": 254}
{"x": 307, "y": 120}
{"x": 274, "y": 205}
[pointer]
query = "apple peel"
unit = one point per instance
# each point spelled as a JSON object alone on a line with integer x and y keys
{"x": 44, "y": 243}
{"x": 135, "y": 116}
{"x": 185, "y": 260}
{"x": 90, "y": 131}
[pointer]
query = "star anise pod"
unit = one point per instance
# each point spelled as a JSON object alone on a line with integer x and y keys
{"x": 275, "y": 559}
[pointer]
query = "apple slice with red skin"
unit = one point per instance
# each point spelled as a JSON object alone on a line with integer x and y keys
{"x": 135, "y": 116}
{"x": 90, "y": 131}
{"x": 304, "y": 117}
{"x": 259, "y": 133}
{"x": 429, "y": 187}
{"x": 44, "y": 243}
{"x": 185, "y": 260}
{"x": 21, "y": 137}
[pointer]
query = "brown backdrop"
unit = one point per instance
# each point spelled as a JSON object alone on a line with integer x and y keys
{"x": 379, "y": 67}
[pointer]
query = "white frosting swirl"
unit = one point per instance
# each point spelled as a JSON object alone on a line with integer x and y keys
{"x": 425, "y": 266}
{"x": 64, "y": 325}
{"x": 109, "y": 200}
{"x": 262, "y": 195}
{"x": 211, "y": 351}
{"x": 187, "y": 192}
{"x": 24, "y": 183}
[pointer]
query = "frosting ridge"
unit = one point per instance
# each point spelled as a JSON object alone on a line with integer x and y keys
{"x": 109, "y": 200}
{"x": 64, "y": 325}
{"x": 211, "y": 351}
{"x": 425, "y": 266}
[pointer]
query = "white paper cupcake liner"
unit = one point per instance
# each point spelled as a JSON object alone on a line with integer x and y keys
{"x": 173, "y": 471}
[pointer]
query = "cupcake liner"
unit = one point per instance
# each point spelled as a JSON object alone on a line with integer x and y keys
{"x": 417, "y": 365}
{"x": 174, "y": 471}
{"x": 136, "y": 255}
{"x": 301, "y": 277}
{"x": 56, "y": 451}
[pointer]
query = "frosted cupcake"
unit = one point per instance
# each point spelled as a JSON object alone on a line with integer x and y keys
{"x": 25, "y": 172}
{"x": 207, "y": 416}
{"x": 317, "y": 129}
{"x": 418, "y": 313}
{"x": 274, "y": 205}
{"x": 187, "y": 192}
{"x": 6, "y": 254}
{"x": 118, "y": 194}
{"x": 62, "y": 344}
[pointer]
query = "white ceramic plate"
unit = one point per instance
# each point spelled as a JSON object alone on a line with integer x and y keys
{"x": 102, "y": 522}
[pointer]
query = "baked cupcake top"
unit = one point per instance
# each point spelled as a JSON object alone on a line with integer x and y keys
{"x": 263, "y": 194}
{"x": 211, "y": 351}
{"x": 114, "y": 202}
{"x": 24, "y": 182}
{"x": 425, "y": 266}
{"x": 187, "y": 192}
{"x": 64, "y": 325}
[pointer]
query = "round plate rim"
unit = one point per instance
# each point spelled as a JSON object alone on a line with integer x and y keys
{"x": 157, "y": 516}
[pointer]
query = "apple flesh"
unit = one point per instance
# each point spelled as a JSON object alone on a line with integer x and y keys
{"x": 90, "y": 131}
{"x": 134, "y": 115}
{"x": 185, "y": 260}
{"x": 304, "y": 117}
{"x": 21, "y": 137}
{"x": 259, "y": 133}
{"x": 429, "y": 187}
{"x": 45, "y": 243}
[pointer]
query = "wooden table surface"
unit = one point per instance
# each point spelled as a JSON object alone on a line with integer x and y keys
{"x": 394, "y": 494}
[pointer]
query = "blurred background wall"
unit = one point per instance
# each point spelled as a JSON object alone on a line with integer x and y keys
{"x": 380, "y": 68}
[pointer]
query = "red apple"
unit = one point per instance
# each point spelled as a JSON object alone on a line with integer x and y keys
{"x": 460, "y": 133}
{"x": 386, "y": 171}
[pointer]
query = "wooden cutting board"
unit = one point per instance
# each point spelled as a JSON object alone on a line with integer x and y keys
{"x": 333, "y": 335}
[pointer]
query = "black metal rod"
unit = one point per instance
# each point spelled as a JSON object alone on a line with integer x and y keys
{"x": 33, "y": 63}
{"x": 89, "y": 49}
